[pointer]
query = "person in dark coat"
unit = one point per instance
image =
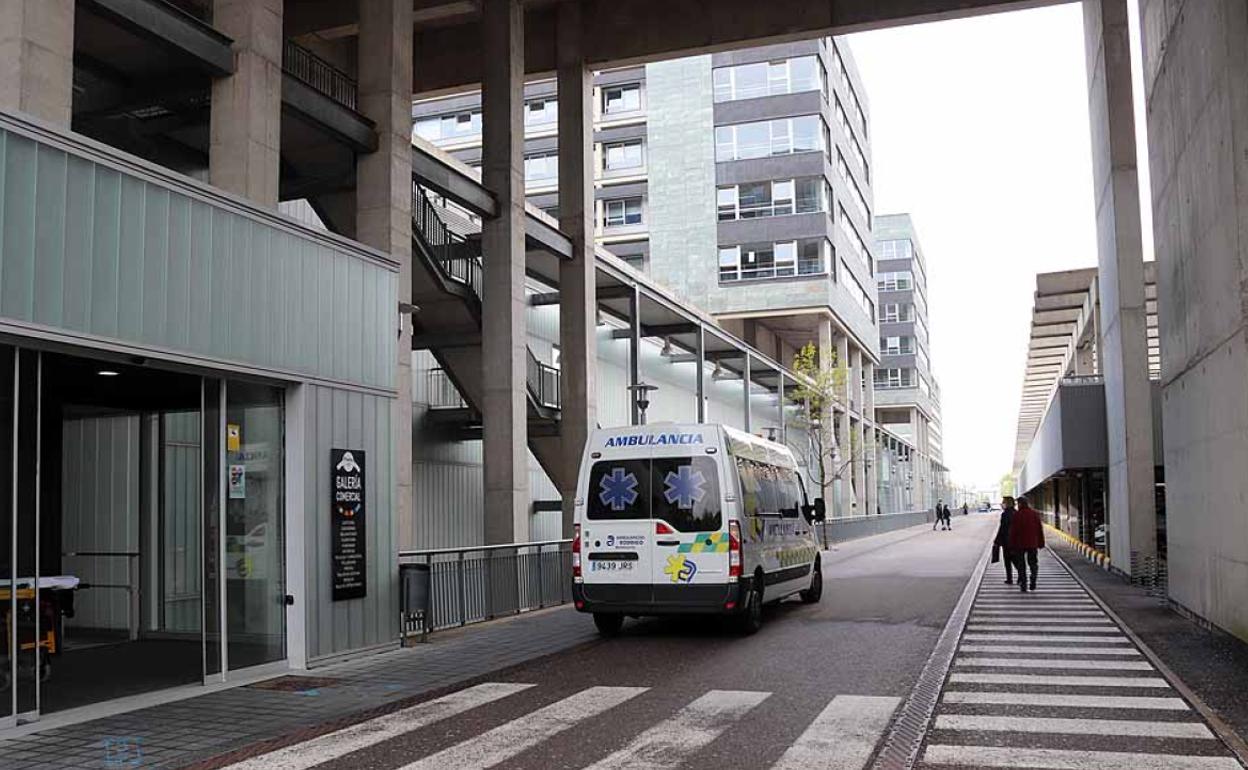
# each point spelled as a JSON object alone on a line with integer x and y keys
{"x": 1001, "y": 543}
{"x": 1026, "y": 540}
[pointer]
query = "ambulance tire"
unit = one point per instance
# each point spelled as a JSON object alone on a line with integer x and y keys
{"x": 751, "y": 617}
{"x": 813, "y": 594}
{"x": 608, "y": 623}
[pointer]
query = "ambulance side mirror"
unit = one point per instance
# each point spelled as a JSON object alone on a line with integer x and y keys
{"x": 817, "y": 512}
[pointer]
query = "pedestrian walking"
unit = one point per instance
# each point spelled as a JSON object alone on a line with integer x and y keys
{"x": 948, "y": 518}
{"x": 940, "y": 516}
{"x": 1001, "y": 543}
{"x": 1026, "y": 540}
{"x": 965, "y": 509}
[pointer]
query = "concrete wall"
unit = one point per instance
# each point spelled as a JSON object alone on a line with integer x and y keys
{"x": 1195, "y": 68}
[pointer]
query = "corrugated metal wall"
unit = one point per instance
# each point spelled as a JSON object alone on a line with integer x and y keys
{"x": 100, "y": 503}
{"x": 125, "y": 257}
{"x": 348, "y": 420}
{"x": 180, "y": 532}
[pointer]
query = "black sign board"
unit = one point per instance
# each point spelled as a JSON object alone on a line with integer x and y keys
{"x": 348, "y": 520}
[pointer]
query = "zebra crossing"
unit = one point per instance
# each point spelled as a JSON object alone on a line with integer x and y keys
{"x": 842, "y": 736}
{"x": 1047, "y": 680}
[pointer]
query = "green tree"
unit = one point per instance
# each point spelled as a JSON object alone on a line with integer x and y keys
{"x": 822, "y": 386}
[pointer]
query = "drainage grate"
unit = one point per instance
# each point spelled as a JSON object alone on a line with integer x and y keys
{"x": 295, "y": 683}
{"x": 901, "y": 747}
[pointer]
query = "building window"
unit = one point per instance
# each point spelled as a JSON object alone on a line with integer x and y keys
{"x": 449, "y": 127}
{"x": 617, "y": 99}
{"x": 893, "y": 312}
{"x": 774, "y": 260}
{"x": 887, "y": 379}
{"x": 855, "y": 195}
{"x": 541, "y": 168}
{"x": 784, "y": 136}
{"x": 539, "y": 112}
{"x": 899, "y": 248}
{"x": 854, "y": 146}
{"x": 859, "y": 296}
{"x": 770, "y": 199}
{"x": 784, "y": 76}
{"x": 855, "y": 242}
{"x": 621, "y": 155}
{"x": 896, "y": 346}
{"x": 902, "y": 281}
{"x": 621, "y": 212}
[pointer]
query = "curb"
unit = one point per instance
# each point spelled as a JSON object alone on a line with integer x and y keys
{"x": 1099, "y": 558}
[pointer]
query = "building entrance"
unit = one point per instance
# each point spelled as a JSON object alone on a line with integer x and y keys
{"x": 141, "y": 529}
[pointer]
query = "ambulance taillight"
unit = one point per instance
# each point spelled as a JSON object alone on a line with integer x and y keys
{"x": 734, "y": 550}
{"x": 576, "y": 553}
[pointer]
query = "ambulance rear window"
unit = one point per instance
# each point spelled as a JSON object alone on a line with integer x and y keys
{"x": 683, "y": 491}
{"x": 619, "y": 489}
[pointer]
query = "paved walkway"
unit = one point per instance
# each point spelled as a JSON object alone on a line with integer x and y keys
{"x": 243, "y": 720}
{"x": 1048, "y": 679}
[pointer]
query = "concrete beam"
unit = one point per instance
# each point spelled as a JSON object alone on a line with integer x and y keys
{"x": 431, "y": 171}
{"x": 343, "y": 124}
{"x": 207, "y": 46}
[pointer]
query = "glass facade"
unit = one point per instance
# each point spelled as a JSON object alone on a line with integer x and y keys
{"x": 783, "y": 136}
{"x": 785, "y": 259}
{"x": 779, "y": 197}
{"x": 769, "y": 78}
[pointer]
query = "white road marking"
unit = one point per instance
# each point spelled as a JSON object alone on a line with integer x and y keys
{"x": 1040, "y": 618}
{"x": 342, "y": 742}
{"x": 508, "y": 740}
{"x": 843, "y": 736}
{"x": 1047, "y": 629}
{"x": 1073, "y": 726}
{"x": 1064, "y": 681}
{"x": 1073, "y": 665}
{"x": 673, "y": 740}
{"x": 1043, "y": 611}
{"x": 1115, "y": 638}
{"x": 1063, "y": 759}
{"x": 1030, "y": 650}
{"x": 1031, "y": 699}
{"x": 1073, "y": 604}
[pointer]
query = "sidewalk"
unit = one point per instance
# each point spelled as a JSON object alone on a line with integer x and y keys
{"x": 211, "y": 729}
{"x": 1212, "y": 663}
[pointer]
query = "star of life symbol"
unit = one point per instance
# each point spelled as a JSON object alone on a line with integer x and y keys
{"x": 684, "y": 487}
{"x": 618, "y": 489}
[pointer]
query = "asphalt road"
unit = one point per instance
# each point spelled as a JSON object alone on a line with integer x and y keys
{"x": 816, "y": 680}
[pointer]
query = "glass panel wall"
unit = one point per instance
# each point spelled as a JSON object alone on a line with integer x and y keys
{"x": 254, "y": 520}
{"x": 8, "y": 552}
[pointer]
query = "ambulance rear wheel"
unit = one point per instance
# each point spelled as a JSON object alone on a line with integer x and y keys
{"x": 751, "y": 617}
{"x": 608, "y": 623}
{"x": 813, "y": 594}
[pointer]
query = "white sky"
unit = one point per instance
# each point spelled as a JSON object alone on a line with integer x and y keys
{"x": 979, "y": 129}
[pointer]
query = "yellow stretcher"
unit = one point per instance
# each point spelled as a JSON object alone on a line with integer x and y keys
{"x": 55, "y": 602}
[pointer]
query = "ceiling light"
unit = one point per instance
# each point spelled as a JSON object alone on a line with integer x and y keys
{"x": 107, "y": 373}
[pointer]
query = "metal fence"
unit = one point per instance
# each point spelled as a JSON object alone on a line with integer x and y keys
{"x": 442, "y": 391}
{"x": 469, "y": 585}
{"x": 319, "y": 74}
{"x": 543, "y": 382}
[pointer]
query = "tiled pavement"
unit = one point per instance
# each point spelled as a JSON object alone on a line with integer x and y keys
{"x": 1048, "y": 679}
{"x": 192, "y": 731}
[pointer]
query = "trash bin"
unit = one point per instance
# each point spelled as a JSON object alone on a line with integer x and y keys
{"x": 414, "y": 599}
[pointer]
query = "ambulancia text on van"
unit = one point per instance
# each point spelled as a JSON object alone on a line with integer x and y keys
{"x": 700, "y": 518}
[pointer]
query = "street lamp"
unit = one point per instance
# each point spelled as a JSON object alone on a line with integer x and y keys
{"x": 641, "y": 398}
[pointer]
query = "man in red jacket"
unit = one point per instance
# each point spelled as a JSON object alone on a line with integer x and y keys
{"x": 1026, "y": 539}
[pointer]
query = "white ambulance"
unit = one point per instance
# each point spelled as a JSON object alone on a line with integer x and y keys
{"x": 674, "y": 519}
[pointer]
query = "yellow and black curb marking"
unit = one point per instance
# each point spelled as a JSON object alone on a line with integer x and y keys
{"x": 1088, "y": 552}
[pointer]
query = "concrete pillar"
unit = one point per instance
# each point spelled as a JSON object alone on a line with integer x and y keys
{"x": 245, "y": 126}
{"x": 383, "y": 205}
{"x": 578, "y": 341}
{"x": 859, "y": 441}
{"x": 845, "y": 496}
{"x": 1123, "y": 343}
{"x": 634, "y": 355}
{"x": 701, "y": 373}
{"x": 746, "y": 393}
{"x": 504, "y": 346}
{"x": 37, "y": 58}
{"x": 871, "y": 448}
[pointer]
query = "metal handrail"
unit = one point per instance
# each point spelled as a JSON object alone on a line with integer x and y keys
{"x": 319, "y": 75}
{"x": 475, "y": 548}
{"x": 453, "y": 258}
{"x": 133, "y": 587}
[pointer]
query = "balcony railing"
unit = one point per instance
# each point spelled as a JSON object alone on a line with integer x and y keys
{"x": 543, "y": 382}
{"x": 442, "y": 391}
{"x": 320, "y": 75}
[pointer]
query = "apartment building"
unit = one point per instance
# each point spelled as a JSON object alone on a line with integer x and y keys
{"x": 907, "y": 396}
